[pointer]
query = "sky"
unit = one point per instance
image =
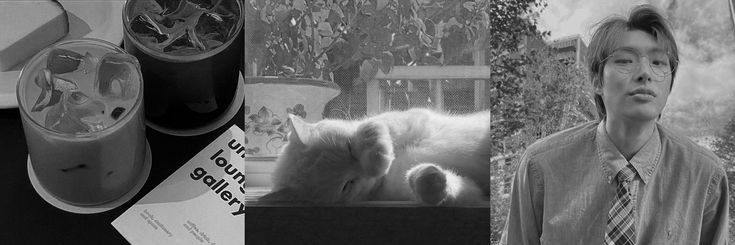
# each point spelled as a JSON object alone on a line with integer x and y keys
{"x": 703, "y": 29}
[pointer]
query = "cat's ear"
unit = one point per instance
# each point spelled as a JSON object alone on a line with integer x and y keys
{"x": 301, "y": 131}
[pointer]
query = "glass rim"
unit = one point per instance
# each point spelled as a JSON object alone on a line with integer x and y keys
{"x": 20, "y": 90}
{"x": 178, "y": 58}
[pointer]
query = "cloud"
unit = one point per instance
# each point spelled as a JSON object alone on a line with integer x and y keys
{"x": 699, "y": 80}
{"x": 572, "y": 17}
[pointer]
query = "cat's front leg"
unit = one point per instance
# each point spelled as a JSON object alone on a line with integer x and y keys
{"x": 431, "y": 184}
{"x": 374, "y": 148}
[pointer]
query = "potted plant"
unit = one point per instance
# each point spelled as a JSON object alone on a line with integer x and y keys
{"x": 320, "y": 42}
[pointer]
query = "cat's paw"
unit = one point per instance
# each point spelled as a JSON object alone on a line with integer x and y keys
{"x": 428, "y": 183}
{"x": 374, "y": 148}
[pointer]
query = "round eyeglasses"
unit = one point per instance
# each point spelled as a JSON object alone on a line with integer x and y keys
{"x": 628, "y": 61}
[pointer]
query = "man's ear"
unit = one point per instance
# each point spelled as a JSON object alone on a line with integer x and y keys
{"x": 597, "y": 86}
{"x": 301, "y": 131}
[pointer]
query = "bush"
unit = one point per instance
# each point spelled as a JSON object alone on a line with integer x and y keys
{"x": 731, "y": 194}
{"x": 499, "y": 207}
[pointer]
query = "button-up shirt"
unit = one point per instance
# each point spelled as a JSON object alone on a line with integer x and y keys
{"x": 565, "y": 187}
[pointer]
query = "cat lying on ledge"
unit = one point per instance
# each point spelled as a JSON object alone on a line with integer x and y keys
{"x": 420, "y": 155}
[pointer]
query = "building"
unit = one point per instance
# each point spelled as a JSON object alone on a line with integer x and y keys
{"x": 531, "y": 43}
{"x": 570, "y": 48}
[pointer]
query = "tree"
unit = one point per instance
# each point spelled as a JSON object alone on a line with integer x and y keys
{"x": 724, "y": 144}
{"x": 552, "y": 95}
{"x": 499, "y": 206}
{"x": 549, "y": 95}
{"x": 511, "y": 22}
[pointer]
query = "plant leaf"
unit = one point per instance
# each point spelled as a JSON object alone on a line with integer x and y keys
{"x": 368, "y": 70}
{"x": 469, "y": 6}
{"x": 325, "y": 29}
{"x": 430, "y": 60}
{"x": 299, "y": 4}
{"x": 381, "y": 4}
{"x": 425, "y": 39}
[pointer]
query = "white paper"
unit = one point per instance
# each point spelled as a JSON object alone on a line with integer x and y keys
{"x": 201, "y": 203}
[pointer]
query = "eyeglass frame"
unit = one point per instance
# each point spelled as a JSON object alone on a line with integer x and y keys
{"x": 673, "y": 62}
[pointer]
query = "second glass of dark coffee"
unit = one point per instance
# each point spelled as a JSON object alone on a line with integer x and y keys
{"x": 189, "y": 51}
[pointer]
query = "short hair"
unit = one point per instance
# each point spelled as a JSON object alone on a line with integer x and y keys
{"x": 605, "y": 39}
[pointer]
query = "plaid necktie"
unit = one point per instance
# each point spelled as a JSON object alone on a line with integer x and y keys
{"x": 620, "y": 222}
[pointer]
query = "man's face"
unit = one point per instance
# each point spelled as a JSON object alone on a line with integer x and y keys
{"x": 640, "y": 92}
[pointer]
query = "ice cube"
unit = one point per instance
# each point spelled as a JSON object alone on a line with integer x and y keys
{"x": 184, "y": 11}
{"x": 76, "y": 114}
{"x": 78, "y": 98}
{"x": 211, "y": 28}
{"x": 88, "y": 115}
{"x": 214, "y": 28}
{"x": 48, "y": 96}
{"x": 147, "y": 29}
{"x": 186, "y": 43}
{"x": 169, "y": 6}
{"x": 148, "y": 6}
{"x": 229, "y": 12}
{"x": 205, "y": 4}
{"x": 63, "y": 85}
{"x": 117, "y": 77}
{"x": 62, "y": 61}
{"x": 165, "y": 21}
{"x": 89, "y": 63}
{"x": 54, "y": 116}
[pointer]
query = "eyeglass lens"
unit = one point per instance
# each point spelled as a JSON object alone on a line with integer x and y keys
{"x": 628, "y": 61}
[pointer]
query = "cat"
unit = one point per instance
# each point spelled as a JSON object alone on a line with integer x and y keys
{"x": 416, "y": 155}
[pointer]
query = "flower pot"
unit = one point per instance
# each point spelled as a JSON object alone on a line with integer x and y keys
{"x": 269, "y": 100}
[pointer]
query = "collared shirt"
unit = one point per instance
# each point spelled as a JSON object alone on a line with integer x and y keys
{"x": 564, "y": 189}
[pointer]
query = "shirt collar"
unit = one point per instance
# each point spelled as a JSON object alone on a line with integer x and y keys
{"x": 644, "y": 162}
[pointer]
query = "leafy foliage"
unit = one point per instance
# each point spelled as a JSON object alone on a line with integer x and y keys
{"x": 312, "y": 38}
{"x": 724, "y": 144}
{"x": 499, "y": 207}
{"x": 547, "y": 96}
{"x": 698, "y": 116}
{"x": 550, "y": 96}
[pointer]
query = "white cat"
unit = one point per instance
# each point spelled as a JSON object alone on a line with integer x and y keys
{"x": 418, "y": 155}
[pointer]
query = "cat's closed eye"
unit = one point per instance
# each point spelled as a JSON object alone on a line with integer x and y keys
{"x": 347, "y": 186}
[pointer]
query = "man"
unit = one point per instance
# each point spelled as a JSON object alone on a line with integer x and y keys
{"x": 625, "y": 179}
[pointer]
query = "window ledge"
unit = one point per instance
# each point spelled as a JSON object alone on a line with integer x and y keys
{"x": 364, "y": 223}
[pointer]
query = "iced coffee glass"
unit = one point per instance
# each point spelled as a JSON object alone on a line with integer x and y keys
{"x": 81, "y": 106}
{"x": 190, "y": 52}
